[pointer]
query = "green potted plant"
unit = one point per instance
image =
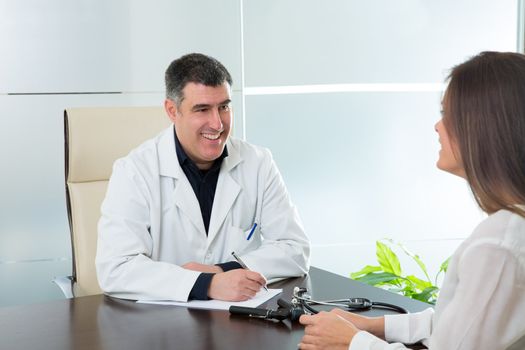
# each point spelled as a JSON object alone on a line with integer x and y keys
{"x": 389, "y": 275}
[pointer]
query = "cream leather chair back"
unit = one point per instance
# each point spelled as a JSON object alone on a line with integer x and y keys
{"x": 94, "y": 139}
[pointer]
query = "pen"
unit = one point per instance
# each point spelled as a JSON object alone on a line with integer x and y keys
{"x": 243, "y": 264}
{"x": 251, "y": 231}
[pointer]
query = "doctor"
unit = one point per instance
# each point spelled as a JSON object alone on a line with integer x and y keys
{"x": 179, "y": 204}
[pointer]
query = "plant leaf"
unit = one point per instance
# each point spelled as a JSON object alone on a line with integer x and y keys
{"x": 444, "y": 266}
{"x": 417, "y": 259}
{"x": 428, "y": 295}
{"x": 364, "y": 271}
{"x": 419, "y": 283}
{"x": 375, "y": 278}
{"x": 387, "y": 259}
{"x": 388, "y": 274}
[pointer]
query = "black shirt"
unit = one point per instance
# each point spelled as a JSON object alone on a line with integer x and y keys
{"x": 204, "y": 184}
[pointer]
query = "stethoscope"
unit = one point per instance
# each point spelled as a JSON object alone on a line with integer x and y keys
{"x": 301, "y": 298}
{"x": 302, "y": 303}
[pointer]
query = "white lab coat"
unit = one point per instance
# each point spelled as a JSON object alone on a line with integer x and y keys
{"x": 151, "y": 222}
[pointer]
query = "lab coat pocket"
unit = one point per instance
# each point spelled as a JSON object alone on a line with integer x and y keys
{"x": 240, "y": 242}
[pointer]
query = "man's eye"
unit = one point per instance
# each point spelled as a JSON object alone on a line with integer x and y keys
{"x": 224, "y": 108}
{"x": 201, "y": 109}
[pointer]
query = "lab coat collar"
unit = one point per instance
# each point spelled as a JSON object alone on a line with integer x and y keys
{"x": 227, "y": 188}
{"x": 168, "y": 161}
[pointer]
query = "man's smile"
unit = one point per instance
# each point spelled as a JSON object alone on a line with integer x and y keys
{"x": 209, "y": 136}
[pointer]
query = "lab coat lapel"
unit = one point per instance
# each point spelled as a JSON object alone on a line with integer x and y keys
{"x": 183, "y": 195}
{"x": 226, "y": 192}
{"x": 186, "y": 201}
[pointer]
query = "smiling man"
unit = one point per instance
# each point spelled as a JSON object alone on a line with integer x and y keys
{"x": 181, "y": 203}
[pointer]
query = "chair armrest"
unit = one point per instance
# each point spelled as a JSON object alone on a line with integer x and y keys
{"x": 65, "y": 283}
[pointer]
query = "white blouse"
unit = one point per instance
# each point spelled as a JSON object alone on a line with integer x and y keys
{"x": 482, "y": 302}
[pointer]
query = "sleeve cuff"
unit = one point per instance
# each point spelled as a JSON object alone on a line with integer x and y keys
{"x": 397, "y": 327}
{"x": 364, "y": 340}
{"x": 201, "y": 286}
{"x": 409, "y": 328}
{"x": 230, "y": 265}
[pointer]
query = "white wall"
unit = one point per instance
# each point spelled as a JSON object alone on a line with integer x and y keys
{"x": 359, "y": 162}
{"x": 359, "y": 158}
{"x": 57, "y": 54}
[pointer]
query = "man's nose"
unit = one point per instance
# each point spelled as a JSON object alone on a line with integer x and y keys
{"x": 215, "y": 120}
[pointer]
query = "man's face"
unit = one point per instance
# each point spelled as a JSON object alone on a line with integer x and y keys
{"x": 202, "y": 121}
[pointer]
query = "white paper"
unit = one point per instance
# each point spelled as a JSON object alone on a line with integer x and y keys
{"x": 257, "y": 300}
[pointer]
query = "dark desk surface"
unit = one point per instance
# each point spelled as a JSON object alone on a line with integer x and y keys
{"x": 101, "y": 322}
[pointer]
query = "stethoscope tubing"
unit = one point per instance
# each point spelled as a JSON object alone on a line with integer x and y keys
{"x": 306, "y": 303}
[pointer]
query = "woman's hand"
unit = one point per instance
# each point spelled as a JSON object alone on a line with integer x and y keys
{"x": 326, "y": 330}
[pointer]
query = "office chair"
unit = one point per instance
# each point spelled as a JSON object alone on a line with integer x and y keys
{"x": 94, "y": 139}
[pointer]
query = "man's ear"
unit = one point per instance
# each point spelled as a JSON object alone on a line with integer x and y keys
{"x": 171, "y": 109}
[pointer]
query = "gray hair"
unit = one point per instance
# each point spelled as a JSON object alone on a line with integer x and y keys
{"x": 194, "y": 68}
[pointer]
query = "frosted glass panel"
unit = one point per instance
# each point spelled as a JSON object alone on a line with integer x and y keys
{"x": 237, "y": 130}
{"x": 28, "y": 283}
{"x": 161, "y": 31}
{"x": 361, "y": 166}
{"x": 32, "y": 205}
{"x": 296, "y": 42}
{"x": 120, "y": 45}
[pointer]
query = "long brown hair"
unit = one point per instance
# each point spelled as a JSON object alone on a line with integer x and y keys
{"x": 484, "y": 114}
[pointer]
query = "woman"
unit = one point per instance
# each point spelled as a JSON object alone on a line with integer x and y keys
{"x": 482, "y": 301}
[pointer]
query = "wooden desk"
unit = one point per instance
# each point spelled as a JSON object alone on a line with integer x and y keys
{"x": 101, "y": 322}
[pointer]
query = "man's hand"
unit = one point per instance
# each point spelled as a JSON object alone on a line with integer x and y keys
{"x": 236, "y": 285}
{"x": 202, "y": 267}
{"x": 326, "y": 330}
